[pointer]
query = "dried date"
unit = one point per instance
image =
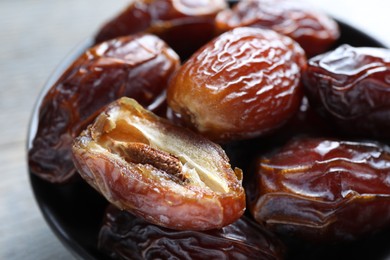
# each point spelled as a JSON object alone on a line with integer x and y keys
{"x": 123, "y": 236}
{"x": 138, "y": 66}
{"x": 163, "y": 173}
{"x": 313, "y": 30}
{"x": 323, "y": 190}
{"x": 243, "y": 84}
{"x": 184, "y": 25}
{"x": 351, "y": 87}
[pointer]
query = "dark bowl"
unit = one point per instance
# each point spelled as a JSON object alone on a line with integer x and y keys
{"x": 75, "y": 211}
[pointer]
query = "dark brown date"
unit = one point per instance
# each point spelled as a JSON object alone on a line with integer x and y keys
{"x": 138, "y": 66}
{"x": 351, "y": 87}
{"x": 184, "y": 25}
{"x": 313, "y": 30}
{"x": 244, "y": 83}
{"x": 124, "y": 236}
{"x": 323, "y": 190}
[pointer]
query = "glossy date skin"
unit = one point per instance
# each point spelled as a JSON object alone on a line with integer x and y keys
{"x": 243, "y": 84}
{"x": 124, "y": 236}
{"x": 138, "y": 66}
{"x": 162, "y": 173}
{"x": 312, "y": 29}
{"x": 323, "y": 190}
{"x": 351, "y": 87}
{"x": 184, "y": 25}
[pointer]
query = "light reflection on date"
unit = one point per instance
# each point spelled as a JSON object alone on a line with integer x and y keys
{"x": 138, "y": 66}
{"x": 323, "y": 190}
{"x": 124, "y": 236}
{"x": 312, "y": 29}
{"x": 184, "y": 25}
{"x": 350, "y": 88}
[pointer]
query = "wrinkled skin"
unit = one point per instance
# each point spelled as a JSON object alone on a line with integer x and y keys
{"x": 124, "y": 236}
{"x": 312, "y": 29}
{"x": 137, "y": 66}
{"x": 185, "y": 25}
{"x": 243, "y": 84}
{"x": 351, "y": 87}
{"x": 323, "y": 190}
{"x": 162, "y": 173}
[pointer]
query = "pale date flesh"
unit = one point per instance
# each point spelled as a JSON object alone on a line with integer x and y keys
{"x": 163, "y": 173}
{"x": 138, "y": 66}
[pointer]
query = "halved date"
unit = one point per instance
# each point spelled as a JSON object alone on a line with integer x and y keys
{"x": 350, "y": 86}
{"x": 312, "y": 29}
{"x": 184, "y": 25}
{"x": 163, "y": 173}
{"x": 124, "y": 236}
{"x": 138, "y": 66}
{"x": 323, "y": 190}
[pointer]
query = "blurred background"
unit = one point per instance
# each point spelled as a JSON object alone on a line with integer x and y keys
{"x": 35, "y": 36}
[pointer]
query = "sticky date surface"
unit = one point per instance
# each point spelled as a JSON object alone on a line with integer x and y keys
{"x": 137, "y": 66}
{"x": 351, "y": 87}
{"x": 123, "y": 236}
{"x": 324, "y": 190}
{"x": 312, "y": 29}
{"x": 243, "y": 84}
{"x": 163, "y": 173}
{"x": 184, "y": 25}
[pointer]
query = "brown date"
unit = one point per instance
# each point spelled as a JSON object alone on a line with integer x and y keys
{"x": 323, "y": 190}
{"x": 185, "y": 25}
{"x": 138, "y": 66}
{"x": 313, "y": 30}
{"x": 243, "y": 84}
{"x": 351, "y": 87}
{"x": 165, "y": 174}
{"x": 123, "y": 236}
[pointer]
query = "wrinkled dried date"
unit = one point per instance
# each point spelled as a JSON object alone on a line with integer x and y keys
{"x": 351, "y": 86}
{"x": 244, "y": 83}
{"x": 158, "y": 171}
{"x": 184, "y": 25}
{"x": 138, "y": 66}
{"x": 313, "y": 30}
{"x": 124, "y": 236}
{"x": 323, "y": 190}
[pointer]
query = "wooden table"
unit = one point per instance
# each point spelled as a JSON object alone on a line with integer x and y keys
{"x": 34, "y": 37}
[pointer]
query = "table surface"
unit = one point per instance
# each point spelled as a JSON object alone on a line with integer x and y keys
{"x": 35, "y": 37}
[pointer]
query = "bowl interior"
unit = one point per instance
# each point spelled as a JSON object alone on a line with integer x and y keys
{"x": 74, "y": 211}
